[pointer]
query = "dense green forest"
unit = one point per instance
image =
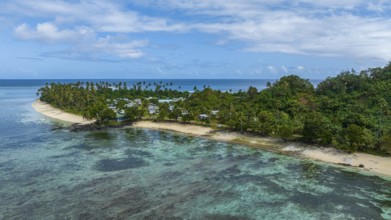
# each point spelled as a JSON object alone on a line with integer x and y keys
{"x": 350, "y": 111}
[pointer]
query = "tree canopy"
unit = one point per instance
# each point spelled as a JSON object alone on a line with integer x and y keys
{"x": 350, "y": 111}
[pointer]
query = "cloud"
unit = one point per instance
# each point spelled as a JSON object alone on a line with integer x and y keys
{"x": 103, "y": 49}
{"x": 33, "y": 59}
{"x": 271, "y": 69}
{"x": 86, "y": 28}
{"x": 354, "y": 28}
{"x": 300, "y": 67}
{"x": 122, "y": 50}
{"x": 81, "y": 42}
{"x": 48, "y": 32}
{"x": 284, "y": 69}
{"x": 222, "y": 7}
{"x": 99, "y": 15}
{"x": 350, "y": 28}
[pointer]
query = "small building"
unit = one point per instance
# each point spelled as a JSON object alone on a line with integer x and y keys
{"x": 171, "y": 100}
{"x": 130, "y": 105}
{"x": 121, "y": 112}
{"x": 215, "y": 112}
{"x": 153, "y": 109}
{"x": 203, "y": 116}
{"x": 165, "y": 100}
{"x": 112, "y": 107}
{"x": 120, "y": 115}
{"x": 178, "y": 99}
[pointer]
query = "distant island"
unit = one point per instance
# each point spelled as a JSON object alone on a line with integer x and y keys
{"x": 348, "y": 112}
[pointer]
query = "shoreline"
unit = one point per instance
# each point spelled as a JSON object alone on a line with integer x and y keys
{"x": 266, "y": 143}
{"x": 373, "y": 165}
{"x": 58, "y": 114}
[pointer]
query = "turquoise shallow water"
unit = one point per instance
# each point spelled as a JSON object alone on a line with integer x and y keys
{"x": 48, "y": 172}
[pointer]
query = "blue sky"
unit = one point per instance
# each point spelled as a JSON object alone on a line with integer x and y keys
{"x": 192, "y": 38}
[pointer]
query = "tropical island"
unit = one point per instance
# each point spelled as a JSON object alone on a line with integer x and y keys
{"x": 349, "y": 112}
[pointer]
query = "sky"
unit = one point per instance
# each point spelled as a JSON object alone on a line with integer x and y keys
{"x": 191, "y": 39}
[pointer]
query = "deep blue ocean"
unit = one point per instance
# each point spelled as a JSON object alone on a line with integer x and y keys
{"x": 48, "y": 172}
{"x": 181, "y": 84}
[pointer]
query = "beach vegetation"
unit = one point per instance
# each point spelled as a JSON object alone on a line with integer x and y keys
{"x": 350, "y": 111}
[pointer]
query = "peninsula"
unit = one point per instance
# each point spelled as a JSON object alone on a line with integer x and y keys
{"x": 59, "y": 114}
{"x": 376, "y": 165}
{"x": 348, "y": 115}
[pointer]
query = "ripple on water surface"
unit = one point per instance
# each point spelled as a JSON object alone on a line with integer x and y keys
{"x": 138, "y": 174}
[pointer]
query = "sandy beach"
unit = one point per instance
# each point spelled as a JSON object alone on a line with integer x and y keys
{"x": 207, "y": 132}
{"x": 58, "y": 114}
{"x": 372, "y": 164}
{"x": 182, "y": 128}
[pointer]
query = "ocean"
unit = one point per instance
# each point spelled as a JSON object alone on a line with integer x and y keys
{"x": 177, "y": 84}
{"x": 48, "y": 172}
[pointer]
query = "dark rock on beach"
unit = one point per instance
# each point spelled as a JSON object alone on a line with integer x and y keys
{"x": 345, "y": 164}
{"x": 94, "y": 127}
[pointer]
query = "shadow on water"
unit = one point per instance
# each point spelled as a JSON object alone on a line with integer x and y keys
{"x": 139, "y": 153}
{"x": 133, "y": 134}
{"x": 94, "y": 140}
{"x": 108, "y": 165}
{"x": 225, "y": 217}
{"x": 330, "y": 201}
{"x": 169, "y": 176}
{"x": 101, "y": 135}
{"x": 87, "y": 146}
{"x": 67, "y": 155}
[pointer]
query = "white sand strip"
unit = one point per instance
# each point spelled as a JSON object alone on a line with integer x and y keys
{"x": 177, "y": 127}
{"x": 372, "y": 163}
{"x": 59, "y": 114}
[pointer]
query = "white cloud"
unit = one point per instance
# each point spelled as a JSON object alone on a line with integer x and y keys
{"x": 100, "y": 15}
{"x": 300, "y": 67}
{"x": 122, "y": 50}
{"x": 352, "y": 28}
{"x": 48, "y": 32}
{"x": 344, "y": 35}
{"x": 284, "y": 69}
{"x": 81, "y": 42}
{"x": 271, "y": 69}
{"x": 86, "y": 27}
